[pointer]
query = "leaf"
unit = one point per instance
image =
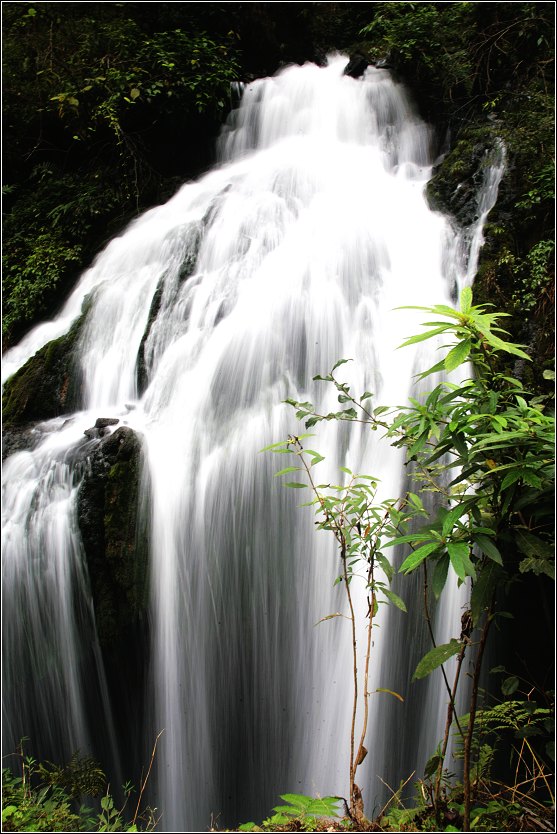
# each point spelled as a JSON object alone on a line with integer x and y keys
{"x": 510, "y": 685}
{"x": 537, "y": 566}
{"x": 411, "y": 537}
{"x": 329, "y": 617}
{"x": 457, "y": 355}
{"x": 295, "y": 485}
{"x": 134, "y": 93}
{"x": 299, "y": 800}
{"x": 440, "y": 575}
{"x": 339, "y": 363}
{"x": 390, "y": 692}
{"x": 453, "y": 516}
{"x": 459, "y": 554}
{"x": 417, "y": 557}
{"x": 385, "y": 565}
{"x": 421, "y": 337}
{"x": 432, "y": 764}
{"x": 274, "y": 446}
{"x": 288, "y": 469}
{"x": 312, "y": 422}
{"x": 466, "y": 300}
{"x": 366, "y": 395}
{"x": 486, "y": 546}
{"x": 436, "y": 657}
{"x": 483, "y": 589}
{"x": 396, "y": 600}
{"x": 533, "y": 546}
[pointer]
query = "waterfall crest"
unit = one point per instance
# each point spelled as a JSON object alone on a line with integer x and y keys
{"x": 206, "y": 314}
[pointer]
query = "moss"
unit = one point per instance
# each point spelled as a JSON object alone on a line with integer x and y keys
{"x": 47, "y": 385}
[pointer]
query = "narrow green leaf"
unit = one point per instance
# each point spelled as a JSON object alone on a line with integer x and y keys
{"x": 366, "y": 395}
{"x": 421, "y": 337}
{"x": 274, "y": 446}
{"x": 288, "y": 469}
{"x": 487, "y": 547}
{"x": 411, "y": 537}
{"x": 385, "y": 566}
{"x": 395, "y": 599}
{"x": 417, "y": 557}
{"x": 453, "y": 516}
{"x": 390, "y": 692}
{"x": 295, "y": 485}
{"x": 440, "y": 366}
{"x": 440, "y": 575}
{"x": 339, "y": 363}
{"x": 457, "y": 355}
{"x": 436, "y": 657}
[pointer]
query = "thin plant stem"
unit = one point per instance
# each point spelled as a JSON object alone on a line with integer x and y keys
{"x": 472, "y": 720}
{"x": 144, "y": 782}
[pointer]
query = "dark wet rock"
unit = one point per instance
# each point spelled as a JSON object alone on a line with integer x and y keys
{"x": 356, "y": 66}
{"x": 115, "y": 537}
{"x": 49, "y": 383}
{"x": 102, "y": 422}
{"x": 320, "y": 58}
{"x": 18, "y": 440}
{"x": 457, "y": 180}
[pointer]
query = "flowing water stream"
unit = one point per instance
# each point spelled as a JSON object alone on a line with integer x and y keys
{"x": 292, "y": 253}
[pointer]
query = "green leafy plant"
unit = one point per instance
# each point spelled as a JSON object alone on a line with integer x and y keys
{"x": 300, "y": 811}
{"x": 359, "y": 525}
{"x": 485, "y": 447}
{"x": 44, "y": 797}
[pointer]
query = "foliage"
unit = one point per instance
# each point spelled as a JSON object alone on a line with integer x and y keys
{"x": 480, "y": 72}
{"x": 426, "y": 38}
{"x": 82, "y": 775}
{"x": 359, "y": 526}
{"x": 45, "y": 796}
{"x": 84, "y": 90}
{"x": 485, "y": 447}
{"x": 301, "y": 812}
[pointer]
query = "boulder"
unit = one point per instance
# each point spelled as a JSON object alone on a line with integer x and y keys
{"x": 115, "y": 536}
{"x": 356, "y": 66}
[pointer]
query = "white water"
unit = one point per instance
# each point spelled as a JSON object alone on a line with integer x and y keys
{"x": 299, "y": 246}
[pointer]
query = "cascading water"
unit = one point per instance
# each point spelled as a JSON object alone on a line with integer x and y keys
{"x": 204, "y": 316}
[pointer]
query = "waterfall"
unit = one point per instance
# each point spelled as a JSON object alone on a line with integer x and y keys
{"x": 203, "y": 317}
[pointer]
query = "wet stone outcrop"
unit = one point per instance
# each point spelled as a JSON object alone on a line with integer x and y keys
{"x": 114, "y": 532}
{"x": 457, "y": 180}
{"x": 356, "y": 66}
{"x": 46, "y": 386}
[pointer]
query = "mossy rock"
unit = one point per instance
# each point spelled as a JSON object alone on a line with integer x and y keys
{"x": 47, "y": 386}
{"x": 456, "y": 182}
{"x": 114, "y": 535}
